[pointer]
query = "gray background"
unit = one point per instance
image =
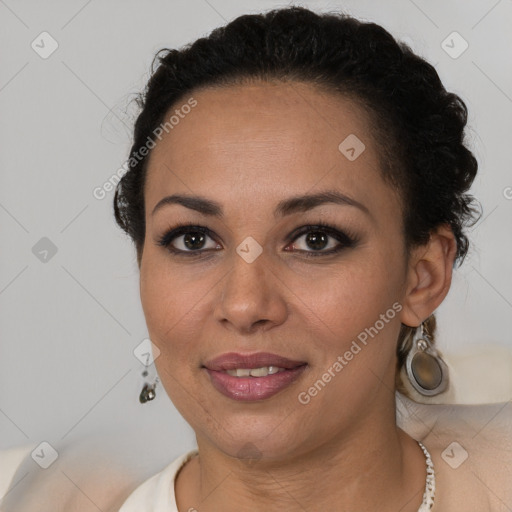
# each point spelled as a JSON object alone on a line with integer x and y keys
{"x": 69, "y": 325}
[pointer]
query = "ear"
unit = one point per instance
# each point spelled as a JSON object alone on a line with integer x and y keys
{"x": 429, "y": 276}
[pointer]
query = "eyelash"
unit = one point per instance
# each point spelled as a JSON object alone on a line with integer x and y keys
{"x": 346, "y": 239}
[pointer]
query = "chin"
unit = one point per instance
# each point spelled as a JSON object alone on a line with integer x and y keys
{"x": 253, "y": 436}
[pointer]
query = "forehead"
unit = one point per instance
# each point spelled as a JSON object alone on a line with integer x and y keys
{"x": 264, "y": 138}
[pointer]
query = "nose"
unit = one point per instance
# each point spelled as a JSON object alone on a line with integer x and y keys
{"x": 251, "y": 297}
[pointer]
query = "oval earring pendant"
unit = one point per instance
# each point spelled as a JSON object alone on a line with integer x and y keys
{"x": 147, "y": 393}
{"x": 427, "y": 372}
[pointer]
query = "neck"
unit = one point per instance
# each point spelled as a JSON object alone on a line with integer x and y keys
{"x": 374, "y": 469}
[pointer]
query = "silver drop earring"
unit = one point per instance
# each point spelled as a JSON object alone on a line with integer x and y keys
{"x": 425, "y": 368}
{"x": 146, "y": 352}
{"x": 148, "y": 392}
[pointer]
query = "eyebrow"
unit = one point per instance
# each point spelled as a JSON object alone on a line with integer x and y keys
{"x": 286, "y": 207}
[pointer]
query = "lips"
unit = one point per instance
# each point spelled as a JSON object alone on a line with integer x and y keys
{"x": 249, "y": 388}
{"x": 233, "y": 360}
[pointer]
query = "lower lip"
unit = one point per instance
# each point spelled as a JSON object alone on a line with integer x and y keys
{"x": 253, "y": 388}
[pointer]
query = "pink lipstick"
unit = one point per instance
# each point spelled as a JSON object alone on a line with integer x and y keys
{"x": 249, "y": 377}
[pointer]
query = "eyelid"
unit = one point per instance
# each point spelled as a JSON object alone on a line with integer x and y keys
{"x": 333, "y": 232}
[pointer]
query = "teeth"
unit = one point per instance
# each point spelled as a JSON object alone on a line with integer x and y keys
{"x": 255, "y": 372}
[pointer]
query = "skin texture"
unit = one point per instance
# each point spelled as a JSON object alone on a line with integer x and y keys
{"x": 249, "y": 147}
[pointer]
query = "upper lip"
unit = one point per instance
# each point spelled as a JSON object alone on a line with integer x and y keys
{"x": 233, "y": 360}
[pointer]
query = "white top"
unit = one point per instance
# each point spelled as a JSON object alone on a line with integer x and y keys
{"x": 156, "y": 494}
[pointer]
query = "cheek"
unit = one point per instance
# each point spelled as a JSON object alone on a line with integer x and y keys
{"x": 163, "y": 297}
{"x": 173, "y": 306}
{"x": 351, "y": 299}
{"x": 356, "y": 324}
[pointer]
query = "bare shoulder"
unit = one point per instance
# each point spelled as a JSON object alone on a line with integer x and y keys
{"x": 471, "y": 447}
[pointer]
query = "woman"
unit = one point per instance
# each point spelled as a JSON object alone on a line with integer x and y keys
{"x": 296, "y": 220}
{"x": 297, "y": 196}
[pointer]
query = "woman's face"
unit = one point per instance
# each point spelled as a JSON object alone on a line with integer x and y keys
{"x": 264, "y": 281}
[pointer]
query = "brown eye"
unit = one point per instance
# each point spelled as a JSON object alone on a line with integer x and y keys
{"x": 187, "y": 240}
{"x": 317, "y": 240}
{"x": 322, "y": 240}
{"x": 193, "y": 240}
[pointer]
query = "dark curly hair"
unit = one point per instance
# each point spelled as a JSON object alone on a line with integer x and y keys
{"x": 417, "y": 125}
